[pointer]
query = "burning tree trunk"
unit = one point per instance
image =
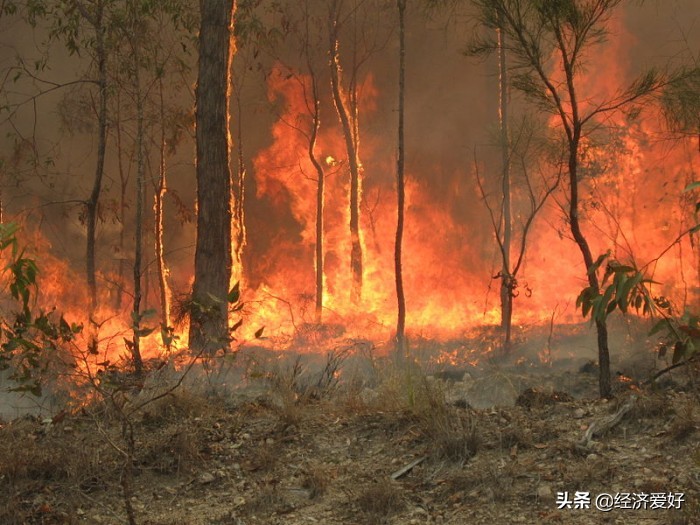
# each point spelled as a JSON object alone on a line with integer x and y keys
{"x": 212, "y": 266}
{"x": 316, "y": 122}
{"x": 238, "y": 186}
{"x": 351, "y": 143}
{"x": 401, "y": 346}
{"x": 158, "y": 197}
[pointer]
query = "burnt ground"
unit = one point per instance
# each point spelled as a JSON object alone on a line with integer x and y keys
{"x": 270, "y": 440}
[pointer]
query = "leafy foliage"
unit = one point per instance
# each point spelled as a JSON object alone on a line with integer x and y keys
{"x": 681, "y": 335}
{"x": 623, "y": 287}
{"x": 31, "y": 338}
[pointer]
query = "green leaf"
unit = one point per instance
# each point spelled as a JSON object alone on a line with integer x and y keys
{"x": 623, "y": 295}
{"x": 692, "y": 186}
{"x": 143, "y": 332}
{"x": 604, "y": 303}
{"x": 610, "y": 308}
{"x": 660, "y": 325}
{"x": 594, "y": 267}
{"x": 678, "y": 352}
{"x": 235, "y": 294}
{"x": 238, "y": 307}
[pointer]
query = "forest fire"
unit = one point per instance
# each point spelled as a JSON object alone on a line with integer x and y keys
{"x": 633, "y": 202}
{"x": 349, "y": 261}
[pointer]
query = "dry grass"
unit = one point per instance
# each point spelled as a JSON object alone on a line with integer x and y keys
{"x": 452, "y": 432}
{"x": 268, "y": 499}
{"x": 379, "y": 501}
{"x": 33, "y": 456}
{"x": 263, "y": 458}
{"x": 684, "y": 423}
{"x": 316, "y": 480}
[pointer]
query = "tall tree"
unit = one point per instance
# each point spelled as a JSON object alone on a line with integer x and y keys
{"x": 82, "y": 26}
{"x": 507, "y": 288}
{"x": 301, "y": 36}
{"x": 526, "y": 197}
{"x": 401, "y": 346}
{"x": 96, "y": 20}
{"x": 347, "y": 115}
{"x": 212, "y": 265}
{"x": 134, "y": 32}
{"x": 545, "y": 35}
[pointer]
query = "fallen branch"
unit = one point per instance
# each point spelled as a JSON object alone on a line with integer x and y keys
{"x": 604, "y": 424}
{"x": 408, "y": 468}
{"x": 663, "y": 371}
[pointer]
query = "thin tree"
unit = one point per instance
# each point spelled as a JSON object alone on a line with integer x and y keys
{"x": 401, "y": 345}
{"x": 345, "y": 109}
{"x": 133, "y": 35}
{"x": 212, "y": 265}
{"x": 512, "y": 240}
{"x": 315, "y": 110}
{"x": 507, "y": 279}
{"x": 161, "y": 189}
{"x": 567, "y": 30}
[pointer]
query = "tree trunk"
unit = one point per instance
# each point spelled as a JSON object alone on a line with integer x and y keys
{"x": 94, "y": 199}
{"x": 138, "y": 221}
{"x": 506, "y": 277}
{"x": 316, "y": 122}
{"x": 123, "y": 184}
{"x": 158, "y": 197}
{"x": 574, "y": 139}
{"x": 401, "y": 346}
{"x": 341, "y": 106}
{"x": 239, "y": 228}
{"x": 601, "y": 325}
{"x": 212, "y": 265}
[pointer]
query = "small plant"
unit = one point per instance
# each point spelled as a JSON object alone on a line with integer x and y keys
{"x": 625, "y": 287}
{"x": 32, "y": 339}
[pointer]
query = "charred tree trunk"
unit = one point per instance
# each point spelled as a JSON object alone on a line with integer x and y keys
{"x": 574, "y": 140}
{"x": 159, "y": 195}
{"x": 341, "y": 106}
{"x": 506, "y": 276}
{"x": 401, "y": 346}
{"x": 212, "y": 265}
{"x": 93, "y": 201}
{"x": 315, "y": 124}
{"x": 575, "y": 225}
{"x": 123, "y": 184}
{"x": 138, "y": 224}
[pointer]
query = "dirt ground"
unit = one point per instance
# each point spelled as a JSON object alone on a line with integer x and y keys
{"x": 397, "y": 445}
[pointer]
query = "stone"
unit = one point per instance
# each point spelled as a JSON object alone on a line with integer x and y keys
{"x": 206, "y": 478}
{"x": 544, "y": 491}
